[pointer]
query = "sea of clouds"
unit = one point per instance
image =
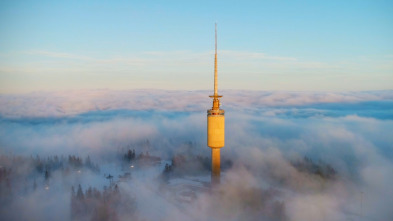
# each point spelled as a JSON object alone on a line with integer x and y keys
{"x": 265, "y": 132}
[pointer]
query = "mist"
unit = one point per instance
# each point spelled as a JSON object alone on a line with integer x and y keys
{"x": 288, "y": 156}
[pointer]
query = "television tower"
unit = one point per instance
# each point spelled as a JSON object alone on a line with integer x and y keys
{"x": 215, "y": 125}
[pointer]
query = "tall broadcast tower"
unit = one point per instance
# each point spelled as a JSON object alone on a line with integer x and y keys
{"x": 215, "y": 125}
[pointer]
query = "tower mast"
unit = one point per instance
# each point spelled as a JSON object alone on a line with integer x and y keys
{"x": 215, "y": 63}
{"x": 215, "y": 125}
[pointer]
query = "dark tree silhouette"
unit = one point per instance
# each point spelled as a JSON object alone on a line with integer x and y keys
{"x": 79, "y": 193}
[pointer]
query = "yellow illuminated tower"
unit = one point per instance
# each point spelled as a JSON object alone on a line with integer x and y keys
{"x": 215, "y": 125}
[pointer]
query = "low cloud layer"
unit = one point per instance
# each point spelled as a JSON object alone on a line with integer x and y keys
{"x": 49, "y": 104}
{"x": 265, "y": 134}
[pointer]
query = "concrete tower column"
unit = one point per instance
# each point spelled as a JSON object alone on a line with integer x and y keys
{"x": 216, "y": 166}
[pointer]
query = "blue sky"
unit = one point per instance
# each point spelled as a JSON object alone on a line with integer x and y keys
{"x": 263, "y": 45}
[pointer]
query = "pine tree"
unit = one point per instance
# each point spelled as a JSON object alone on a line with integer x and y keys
{"x": 79, "y": 193}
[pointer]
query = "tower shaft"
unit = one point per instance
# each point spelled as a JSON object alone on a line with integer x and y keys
{"x": 216, "y": 166}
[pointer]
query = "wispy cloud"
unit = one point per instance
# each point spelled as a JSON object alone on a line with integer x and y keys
{"x": 189, "y": 69}
{"x": 57, "y": 55}
{"x": 247, "y": 55}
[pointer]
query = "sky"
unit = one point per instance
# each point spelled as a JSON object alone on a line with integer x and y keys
{"x": 263, "y": 45}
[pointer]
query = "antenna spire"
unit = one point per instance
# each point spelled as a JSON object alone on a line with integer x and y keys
{"x": 215, "y": 64}
{"x": 215, "y": 96}
{"x": 216, "y": 36}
